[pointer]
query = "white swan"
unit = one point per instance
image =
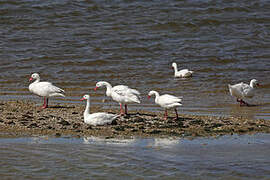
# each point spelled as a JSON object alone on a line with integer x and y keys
{"x": 184, "y": 73}
{"x": 100, "y": 118}
{"x": 121, "y": 94}
{"x": 44, "y": 89}
{"x": 242, "y": 90}
{"x": 167, "y": 102}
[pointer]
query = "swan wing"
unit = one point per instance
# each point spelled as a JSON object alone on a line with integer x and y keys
{"x": 184, "y": 73}
{"x": 241, "y": 90}
{"x": 247, "y": 90}
{"x": 169, "y": 101}
{"x": 46, "y": 89}
{"x": 100, "y": 118}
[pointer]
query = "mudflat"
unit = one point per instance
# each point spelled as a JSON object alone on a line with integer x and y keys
{"x": 25, "y": 118}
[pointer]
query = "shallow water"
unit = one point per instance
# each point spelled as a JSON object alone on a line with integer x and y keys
{"x": 228, "y": 157}
{"x": 74, "y": 44}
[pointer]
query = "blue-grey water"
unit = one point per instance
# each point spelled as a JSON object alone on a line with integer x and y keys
{"x": 228, "y": 157}
{"x": 76, "y": 43}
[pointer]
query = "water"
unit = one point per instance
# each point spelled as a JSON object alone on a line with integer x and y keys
{"x": 229, "y": 157}
{"x": 74, "y": 44}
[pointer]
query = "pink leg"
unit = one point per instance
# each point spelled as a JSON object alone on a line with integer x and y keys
{"x": 121, "y": 110}
{"x": 165, "y": 114}
{"x": 176, "y": 114}
{"x": 126, "y": 110}
{"x": 46, "y": 101}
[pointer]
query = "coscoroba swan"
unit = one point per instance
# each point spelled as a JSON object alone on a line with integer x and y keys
{"x": 100, "y": 118}
{"x": 167, "y": 102}
{"x": 44, "y": 89}
{"x": 243, "y": 90}
{"x": 121, "y": 94}
{"x": 184, "y": 73}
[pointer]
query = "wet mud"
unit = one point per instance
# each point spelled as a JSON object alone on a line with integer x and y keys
{"x": 25, "y": 118}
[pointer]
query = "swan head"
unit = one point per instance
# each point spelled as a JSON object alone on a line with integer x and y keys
{"x": 100, "y": 84}
{"x": 254, "y": 83}
{"x": 34, "y": 76}
{"x": 174, "y": 65}
{"x": 85, "y": 97}
{"x": 151, "y": 93}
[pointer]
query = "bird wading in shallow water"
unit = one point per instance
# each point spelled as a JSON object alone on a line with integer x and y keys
{"x": 243, "y": 90}
{"x": 44, "y": 89}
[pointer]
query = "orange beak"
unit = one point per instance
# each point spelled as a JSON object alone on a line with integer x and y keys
{"x": 31, "y": 79}
{"x": 82, "y": 99}
{"x": 148, "y": 97}
{"x": 95, "y": 88}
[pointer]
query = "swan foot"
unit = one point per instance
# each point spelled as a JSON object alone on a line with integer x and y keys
{"x": 44, "y": 107}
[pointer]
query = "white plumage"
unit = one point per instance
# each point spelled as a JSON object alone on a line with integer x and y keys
{"x": 243, "y": 90}
{"x": 95, "y": 119}
{"x": 166, "y": 101}
{"x": 44, "y": 89}
{"x": 121, "y": 94}
{"x": 184, "y": 73}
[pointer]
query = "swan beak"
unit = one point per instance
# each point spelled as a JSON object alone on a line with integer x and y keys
{"x": 148, "y": 97}
{"x": 95, "y": 88}
{"x": 31, "y": 79}
{"x": 258, "y": 85}
{"x": 82, "y": 99}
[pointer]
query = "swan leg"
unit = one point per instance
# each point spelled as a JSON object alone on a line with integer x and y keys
{"x": 165, "y": 114}
{"x": 176, "y": 114}
{"x": 43, "y": 102}
{"x": 46, "y": 101}
{"x": 121, "y": 110}
{"x": 126, "y": 110}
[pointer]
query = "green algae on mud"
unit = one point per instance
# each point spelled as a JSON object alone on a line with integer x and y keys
{"x": 24, "y": 118}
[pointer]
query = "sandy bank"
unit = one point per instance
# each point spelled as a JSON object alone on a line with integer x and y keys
{"x": 25, "y": 118}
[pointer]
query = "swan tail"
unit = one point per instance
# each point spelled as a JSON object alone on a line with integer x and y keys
{"x": 230, "y": 88}
{"x": 58, "y": 94}
{"x": 134, "y": 91}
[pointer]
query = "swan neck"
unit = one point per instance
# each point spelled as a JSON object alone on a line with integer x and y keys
{"x": 87, "y": 109}
{"x": 109, "y": 88}
{"x": 175, "y": 69}
{"x": 251, "y": 84}
{"x": 37, "y": 80}
{"x": 157, "y": 96}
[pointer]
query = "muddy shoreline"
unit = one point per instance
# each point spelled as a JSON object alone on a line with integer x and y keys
{"x": 25, "y": 118}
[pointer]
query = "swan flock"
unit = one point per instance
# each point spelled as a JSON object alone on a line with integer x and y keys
{"x": 125, "y": 95}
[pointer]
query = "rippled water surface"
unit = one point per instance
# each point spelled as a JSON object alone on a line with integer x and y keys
{"x": 76, "y": 43}
{"x": 229, "y": 157}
